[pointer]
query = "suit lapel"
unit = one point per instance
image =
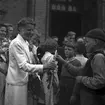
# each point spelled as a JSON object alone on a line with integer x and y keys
{"x": 25, "y": 46}
{"x": 28, "y": 52}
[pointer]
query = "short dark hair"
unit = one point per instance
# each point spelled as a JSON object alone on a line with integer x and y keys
{"x": 69, "y": 44}
{"x": 80, "y": 47}
{"x": 8, "y": 24}
{"x": 70, "y": 33}
{"x": 50, "y": 44}
{"x": 24, "y": 21}
{"x": 54, "y": 37}
{"x": 2, "y": 25}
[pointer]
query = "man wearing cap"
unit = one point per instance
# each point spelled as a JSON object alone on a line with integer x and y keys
{"x": 92, "y": 79}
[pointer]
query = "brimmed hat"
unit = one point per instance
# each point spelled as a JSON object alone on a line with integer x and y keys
{"x": 96, "y": 34}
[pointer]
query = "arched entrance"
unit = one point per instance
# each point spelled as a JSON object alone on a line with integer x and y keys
{"x": 61, "y": 22}
{"x": 65, "y": 15}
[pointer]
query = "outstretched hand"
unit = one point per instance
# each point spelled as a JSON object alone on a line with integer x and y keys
{"x": 60, "y": 59}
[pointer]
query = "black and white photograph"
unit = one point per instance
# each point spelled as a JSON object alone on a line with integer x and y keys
{"x": 52, "y": 52}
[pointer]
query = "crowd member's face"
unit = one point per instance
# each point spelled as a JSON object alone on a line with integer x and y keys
{"x": 27, "y": 32}
{"x": 69, "y": 52}
{"x": 65, "y": 40}
{"x": 90, "y": 44}
{"x": 56, "y": 39}
{"x": 35, "y": 42}
{"x": 2, "y": 32}
{"x": 10, "y": 30}
{"x": 71, "y": 38}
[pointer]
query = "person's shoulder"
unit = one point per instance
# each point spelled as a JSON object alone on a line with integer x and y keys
{"x": 99, "y": 55}
{"x": 98, "y": 58}
{"x": 14, "y": 41}
{"x": 82, "y": 59}
{"x": 76, "y": 62}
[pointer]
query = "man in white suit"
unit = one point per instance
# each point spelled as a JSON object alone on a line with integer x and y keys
{"x": 20, "y": 65}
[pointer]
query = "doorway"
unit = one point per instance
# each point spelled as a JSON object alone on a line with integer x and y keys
{"x": 62, "y": 22}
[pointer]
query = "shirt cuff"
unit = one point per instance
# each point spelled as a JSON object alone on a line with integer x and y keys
{"x": 38, "y": 68}
{"x": 82, "y": 79}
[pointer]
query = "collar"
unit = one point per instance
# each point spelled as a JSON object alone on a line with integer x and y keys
{"x": 21, "y": 38}
{"x": 79, "y": 55}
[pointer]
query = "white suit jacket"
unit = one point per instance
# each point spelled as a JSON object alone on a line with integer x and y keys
{"x": 20, "y": 62}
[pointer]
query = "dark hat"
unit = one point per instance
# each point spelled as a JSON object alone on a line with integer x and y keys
{"x": 70, "y": 33}
{"x": 96, "y": 34}
{"x": 69, "y": 44}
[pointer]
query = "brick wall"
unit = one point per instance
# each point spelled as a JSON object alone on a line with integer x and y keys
{"x": 40, "y": 17}
{"x": 15, "y": 10}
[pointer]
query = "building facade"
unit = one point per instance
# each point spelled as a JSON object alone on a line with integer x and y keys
{"x": 56, "y": 17}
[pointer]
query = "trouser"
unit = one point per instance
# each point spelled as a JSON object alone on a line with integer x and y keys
{"x": 66, "y": 88}
{"x": 16, "y": 94}
{"x": 89, "y": 98}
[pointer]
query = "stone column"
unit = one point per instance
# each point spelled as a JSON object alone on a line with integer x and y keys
{"x": 31, "y": 4}
{"x": 47, "y": 18}
{"x": 41, "y": 18}
{"x": 101, "y": 13}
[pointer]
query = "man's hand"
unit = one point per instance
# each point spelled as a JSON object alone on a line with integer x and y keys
{"x": 74, "y": 100}
{"x": 60, "y": 59}
{"x": 79, "y": 79}
{"x": 51, "y": 65}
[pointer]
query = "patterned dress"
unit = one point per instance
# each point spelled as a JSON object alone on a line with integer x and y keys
{"x": 3, "y": 65}
{"x": 50, "y": 81}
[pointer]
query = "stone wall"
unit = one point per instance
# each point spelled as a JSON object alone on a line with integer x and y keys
{"x": 40, "y": 17}
{"x": 15, "y": 10}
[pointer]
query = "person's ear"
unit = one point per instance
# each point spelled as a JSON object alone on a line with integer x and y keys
{"x": 96, "y": 41}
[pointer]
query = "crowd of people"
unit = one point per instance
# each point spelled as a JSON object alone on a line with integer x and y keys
{"x": 49, "y": 74}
